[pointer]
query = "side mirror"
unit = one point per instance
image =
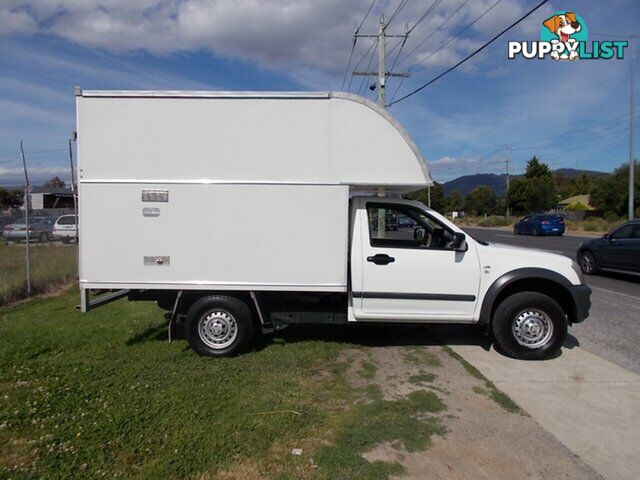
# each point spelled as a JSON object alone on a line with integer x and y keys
{"x": 419, "y": 234}
{"x": 605, "y": 236}
{"x": 459, "y": 242}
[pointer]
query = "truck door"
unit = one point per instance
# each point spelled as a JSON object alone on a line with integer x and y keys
{"x": 413, "y": 273}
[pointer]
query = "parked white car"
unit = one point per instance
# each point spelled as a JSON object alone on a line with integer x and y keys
{"x": 65, "y": 228}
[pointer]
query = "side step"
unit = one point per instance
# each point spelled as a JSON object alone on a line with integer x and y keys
{"x": 87, "y": 304}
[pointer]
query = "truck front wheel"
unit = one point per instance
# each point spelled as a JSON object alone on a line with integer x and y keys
{"x": 529, "y": 326}
{"x": 218, "y": 326}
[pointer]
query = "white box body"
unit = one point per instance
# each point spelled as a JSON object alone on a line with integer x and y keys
{"x": 229, "y": 191}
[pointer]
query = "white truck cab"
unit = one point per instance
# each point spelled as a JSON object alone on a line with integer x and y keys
{"x": 433, "y": 272}
{"x": 251, "y": 211}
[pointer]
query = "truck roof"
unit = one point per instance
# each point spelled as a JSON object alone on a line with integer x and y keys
{"x": 323, "y": 138}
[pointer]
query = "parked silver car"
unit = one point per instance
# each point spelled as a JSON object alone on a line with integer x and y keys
{"x": 40, "y": 229}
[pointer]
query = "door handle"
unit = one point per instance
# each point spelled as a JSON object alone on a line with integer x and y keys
{"x": 381, "y": 259}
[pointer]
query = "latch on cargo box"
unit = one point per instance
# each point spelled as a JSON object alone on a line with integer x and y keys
{"x": 148, "y": 260}
{"x": 150, "y": 212}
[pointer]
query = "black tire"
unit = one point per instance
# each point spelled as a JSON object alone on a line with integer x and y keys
{"x": 227, "y": 313}
{"x": 588, "y": 263}
{"x": 43, "y": 237}
{"x": 545, "y": 311}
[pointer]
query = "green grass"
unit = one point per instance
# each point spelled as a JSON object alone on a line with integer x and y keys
{"x": 408, "y": 422}
{"x": 422, "y": 378}
{"x": 367, "y": 370}
{"x": 489, "y": 389}
{"x": 104, "y": 394}
{"x": 421, "y": 357}
{"x": 82, "y": 395}
{"x": 51, "y": 266}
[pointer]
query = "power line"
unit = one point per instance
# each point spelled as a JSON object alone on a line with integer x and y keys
{"x": 423, "y": 42}
{"x": 400, "y": 6}
{"x": 404, "y": 40}
{"x": 373, "y": 44}
{"x": 468, "y": 57}
{"x": 572, "y": 131}
{"x": 424, "y": 15}
{"x": 435, "y": 31}
{"x": 346, "y": 72}
{"x": 401, "y": 43}
{"x": 373, "y": 51}
{"x": 365, "y": 16}
{"x": 353, "y": 46}
{"x": 453, "y": 37}
{"x": 585, "y": 137}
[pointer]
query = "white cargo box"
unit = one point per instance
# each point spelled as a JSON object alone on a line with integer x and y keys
{"x": 229, "y": 191}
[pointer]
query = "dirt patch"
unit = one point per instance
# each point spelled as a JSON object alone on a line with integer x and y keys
{"x": 483, "y": 439}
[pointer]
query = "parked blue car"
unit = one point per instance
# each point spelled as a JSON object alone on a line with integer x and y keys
{"x": 540, "y": 224}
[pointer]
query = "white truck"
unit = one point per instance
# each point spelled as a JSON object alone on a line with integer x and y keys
{"x": 247, "y": 212}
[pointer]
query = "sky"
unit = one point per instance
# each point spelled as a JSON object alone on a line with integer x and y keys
{"x": 570, "y": 114}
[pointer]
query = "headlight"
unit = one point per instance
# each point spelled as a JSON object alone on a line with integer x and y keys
{"x": 578, "y": 270}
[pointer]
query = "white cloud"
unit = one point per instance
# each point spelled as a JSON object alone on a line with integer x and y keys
{"x": 290, "y": 34}
{"x": 16, "y": 21}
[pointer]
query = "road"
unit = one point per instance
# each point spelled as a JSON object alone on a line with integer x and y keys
{"x": 612, "y": 330}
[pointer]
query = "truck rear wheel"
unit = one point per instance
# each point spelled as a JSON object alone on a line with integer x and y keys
{"x": 529, "y": 326}
{"x": 218, "y": 326}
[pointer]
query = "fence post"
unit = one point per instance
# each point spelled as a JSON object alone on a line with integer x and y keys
{"x": 27, "y": 191}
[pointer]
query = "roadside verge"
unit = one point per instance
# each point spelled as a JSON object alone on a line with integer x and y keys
{"x": 590, "y": 404}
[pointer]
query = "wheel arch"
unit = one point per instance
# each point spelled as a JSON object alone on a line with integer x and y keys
{"x": 546, "y": 282}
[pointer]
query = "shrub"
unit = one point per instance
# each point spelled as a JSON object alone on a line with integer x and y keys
{"x": 494, "y": 221}
{"x": 611, "y": 217}
{"x": 594, "y": 224}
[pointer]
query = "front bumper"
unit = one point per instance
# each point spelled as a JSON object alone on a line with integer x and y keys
{"x": 581, "y": 295}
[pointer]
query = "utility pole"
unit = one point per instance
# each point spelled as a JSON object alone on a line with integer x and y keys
{"x": 507, "y": 150}
{"x": 632, "y": 128}
{"x": 381, "y": 74}
{"x": 27, "y": 191}
{"x": 381, "y": 85}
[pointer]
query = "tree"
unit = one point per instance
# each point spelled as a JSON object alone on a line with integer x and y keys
{"x": 481, "y": 201}
{"x": 535, "y": 169}
{"x": 611, "y": 193}
{"x": 540, "y": 194}
{"x": 12, "y": 200}
{"x": 454, "y": 202}
{"x": 437, "y": 197}
{"x": 539, "y": 191}
{"x": 517, "y": 195}
{"x": 582, "y": 184}
{"x": 568, "y": 187}
{"x": 55, "y": 182}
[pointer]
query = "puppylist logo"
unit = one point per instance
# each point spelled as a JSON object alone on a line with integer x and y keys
{"x": 564, "y": 37}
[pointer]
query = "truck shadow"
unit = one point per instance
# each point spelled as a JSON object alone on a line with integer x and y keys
{"x": 382, "y": 335}
{"x": 361, "y": 335}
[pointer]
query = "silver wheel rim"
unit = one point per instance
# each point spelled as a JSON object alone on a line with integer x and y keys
{"x": 587, "y": 262}
{"x": 532, "y": 329}
{"x": 217, "y": 329}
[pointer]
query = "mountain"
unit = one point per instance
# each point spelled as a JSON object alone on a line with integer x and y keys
{"x": 573, "y": 172}
{"x": 466, "y": 183}
{"x": 498, "y": 183}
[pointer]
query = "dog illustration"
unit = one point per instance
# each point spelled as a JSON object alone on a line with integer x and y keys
{"x": 563, "y": 26}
